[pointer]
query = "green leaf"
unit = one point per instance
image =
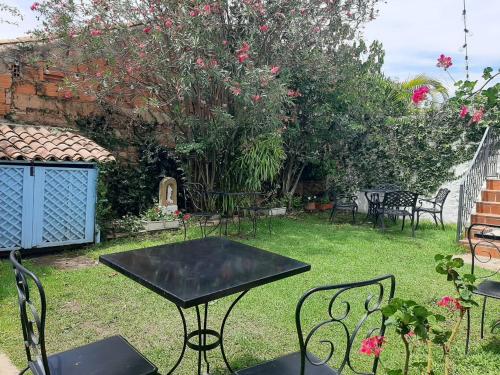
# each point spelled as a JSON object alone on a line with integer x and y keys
{"x": 487, "y": 73}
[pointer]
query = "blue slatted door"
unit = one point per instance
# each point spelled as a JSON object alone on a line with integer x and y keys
{"x": 64, "y": 208}
{"x": 16, "y": 206}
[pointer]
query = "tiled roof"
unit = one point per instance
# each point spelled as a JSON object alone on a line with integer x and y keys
{"x": 39, "y": 143}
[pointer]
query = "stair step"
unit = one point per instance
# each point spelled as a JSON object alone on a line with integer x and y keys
{"x": 487, "y": 207}
{"x": 493, "y": 184}
{"x": 485, "y": 218}
{"x": 483, "y": 248}
{"x": 490, "y": 195}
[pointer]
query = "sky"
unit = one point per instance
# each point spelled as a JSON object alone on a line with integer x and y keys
{"x": 413, "y": 32}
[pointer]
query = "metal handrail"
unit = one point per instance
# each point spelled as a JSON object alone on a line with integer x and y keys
{"x": 483, "y": 165}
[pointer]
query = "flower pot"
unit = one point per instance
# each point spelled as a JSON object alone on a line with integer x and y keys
{"x": 152, "y": 226}
{"x": 326, "y": 206}
{"x": 277, "y": 211}
{"x": 310, "y": 206}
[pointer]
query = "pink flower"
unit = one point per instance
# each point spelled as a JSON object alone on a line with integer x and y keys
{"x": 275, "y": 69}
{"x": 450, "y": 303}
{"x": 35, "y": 6}
{"x": 177, "y": 213}
{"x": 242, "y": 53}
{"x": 95, "y": 32}
{"x": 200, "y": 62}
{"x": 420, "y": 94}
{"x": 147, "y": 29}
{"x": 195, "y": 12}
{"x": 256, "y": 98}
{"x": 444, "y": 62}
{"x": 214, "y": 63}
{"x": 464, "y": 111}
{"x": 478, "y": 115}
{"x": 242, "y": 57}
{"x": 225, "y": 42}
{"x": 236, "y": 91}
{"x": 67, "y": 94}
{"x": 372, "y": 345}
{"x": 264, "y": 28}
{"x": 207, "y": 8}
{"x": 169, "y": 23}
{"x": 294, "y": 93}
{"x": 186, "y": 217}
{"x": 245, "y": 47}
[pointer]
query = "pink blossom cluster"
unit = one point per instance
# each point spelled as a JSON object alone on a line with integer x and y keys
{"x": 372, "y": 345}
{"x": 242, "y": 53}
{"x": 444, "y": 62}
{"x": 476, "y": 116}
{"x": 450, "y": 303}
{"x": 420, "y": 94}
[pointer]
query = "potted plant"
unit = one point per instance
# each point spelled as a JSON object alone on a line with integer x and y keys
{"x": 325, "y": 203}
{"x": 311, "y": 203}
{"x": 278, "y": 207}
{"x": 157, "y": 218}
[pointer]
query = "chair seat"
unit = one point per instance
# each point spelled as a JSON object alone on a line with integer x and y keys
{"x": 394, "y": 212}
{"x": 429, "y": 210}
{"x": 489, "y": 288}
{"x": 288, "y": 365}
{"x": 111, "y": 356}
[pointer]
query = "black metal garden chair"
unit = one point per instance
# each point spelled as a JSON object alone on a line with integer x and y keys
{"x": 397, "y": 204}
{"x": 346, "y": 322}
{"x": 434, "y": 207}
{"x": 373, "y": 196}
{"x": 111, "y": 356}
{"x": 197, "y": 202}
{"x": 346, "y": 203}
{"x": 484, "y": 243}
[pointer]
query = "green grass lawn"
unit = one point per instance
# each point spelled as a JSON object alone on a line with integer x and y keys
{"x": 85, "y": 304}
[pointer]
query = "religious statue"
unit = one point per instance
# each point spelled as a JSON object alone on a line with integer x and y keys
{"x": 168, "y": 194}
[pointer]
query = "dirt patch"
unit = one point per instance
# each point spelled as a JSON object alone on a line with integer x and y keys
{"x": 65, "y": 262}
{"x": 6, "y": 366}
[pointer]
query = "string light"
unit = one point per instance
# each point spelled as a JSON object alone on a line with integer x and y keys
{"x": 466, "y": 46}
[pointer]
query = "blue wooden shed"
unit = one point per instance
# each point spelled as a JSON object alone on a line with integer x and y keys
{"x": 48, "y": 180}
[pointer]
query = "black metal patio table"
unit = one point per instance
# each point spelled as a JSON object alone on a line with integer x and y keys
{"x": 192, "y": 273}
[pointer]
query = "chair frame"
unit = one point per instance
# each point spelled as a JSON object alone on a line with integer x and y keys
{"x": 437, "y": 207}
{"x": 350, "y": 336}
{"x": 34, "y": 343}
{"x": 373, "y": 198}
{"x": 392, "y": 207}
{"x": 484, "y": 238}
{"x": 198, "y": 195}
{"x": 349, "y": 205}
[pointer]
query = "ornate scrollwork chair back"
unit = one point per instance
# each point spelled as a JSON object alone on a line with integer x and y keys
{"x": 32, "y": 319}
{"x": 441, "y": 196}
{"x": 352, "y": 320}
{"x": 400, "y": 199}
{"x": 484, "y": 244}
{"x": 195, "y": 197}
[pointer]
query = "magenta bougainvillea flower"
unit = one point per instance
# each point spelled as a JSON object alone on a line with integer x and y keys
{"x": 264, "y": 28}
{"x": 147, "y": 29}
{"x": 450, "y": 303}
{"x": 464, "y": 111}
{"x": 275, "y": 69}
{"x": 95, "y": 32}
{"x": 236, "y": 91}
{"x": 169, "y": 23}
{"x": 372, "y": 345}
{"x": 420, "y": 94}
{"x": 35, "y": 6}
{"x": 478, "y": 115}
{"x": 200, "y": 62}
{"x": 242, "y": 53}
{"x": 444, "y": 62}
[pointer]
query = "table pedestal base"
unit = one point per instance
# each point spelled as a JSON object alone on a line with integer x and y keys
{"x": 204, "y": 339}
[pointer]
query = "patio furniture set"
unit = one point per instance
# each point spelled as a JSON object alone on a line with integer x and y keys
{"x": 389, "y": 200}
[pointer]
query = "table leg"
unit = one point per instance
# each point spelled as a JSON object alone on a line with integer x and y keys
{"x": 184, "y": 344}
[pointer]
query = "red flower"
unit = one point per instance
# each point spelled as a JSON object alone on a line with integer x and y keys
{"x": 464, "y": 111}
{"x": 242, "y": 53}
{"x": 225, "y": 42}
{"x": 275, "y": 69}
{"x": 478, "y": 115}
{"x": 186, "y": 217}
{"x": 200, "y": 62}
{"x": 194, "y": 12}
{"x": 264, "y": 28}
{"x": 372, "y": 345}
{"x": 256, "y": 98}
{"x": 169, "y": 23}
{"x": 177, "y": 212}
{"x": 420, "y": 94}
{"x": 444, "y": 62}
{"x": 236, "y": 91}
{"x": 95, "y": 32}
{"x": 147, "y": 29}
{"x": 35, "y": 6}
{"x": 451, "y": 303}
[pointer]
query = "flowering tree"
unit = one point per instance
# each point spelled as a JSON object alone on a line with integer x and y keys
{"x": 220, "y": 72}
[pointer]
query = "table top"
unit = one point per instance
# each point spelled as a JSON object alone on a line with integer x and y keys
{"x": 193, "y": 272}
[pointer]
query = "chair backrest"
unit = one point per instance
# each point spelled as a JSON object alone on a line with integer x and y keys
{"x": 32, "y": 319}
{"x": 355, "y": 321}
{"x": 441, "y": 196}
{"x": 484, "y": 243}
{"x": 400, "y": 199}
{"x": 344, "y": 199}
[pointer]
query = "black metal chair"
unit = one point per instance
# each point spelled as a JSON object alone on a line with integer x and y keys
{"x": 347, "y": 321}
{"x": 255, "y": 210}
{"x": 436, "y": 209}
{"x": 373, "y": 197}
{"x": 484, "y": 243}
{"x": 197, "y": 202}
{"x": 344, "y": 202}
{"x": 397, "y": 204}
{"x": 111, "y": 356}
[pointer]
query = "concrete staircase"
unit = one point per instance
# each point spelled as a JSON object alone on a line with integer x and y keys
{"x": 487, "y": 212}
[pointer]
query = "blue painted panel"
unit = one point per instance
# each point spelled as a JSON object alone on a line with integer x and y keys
{"x": 11, "y": 207}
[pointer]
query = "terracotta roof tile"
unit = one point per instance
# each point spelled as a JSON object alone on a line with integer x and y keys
{"x": 24, "y": 142}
